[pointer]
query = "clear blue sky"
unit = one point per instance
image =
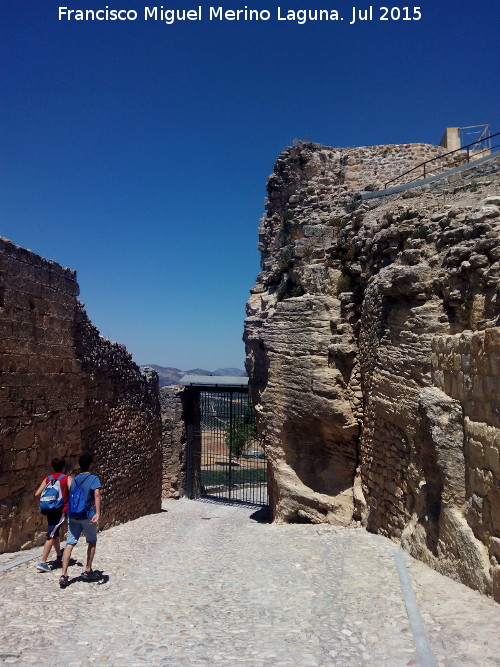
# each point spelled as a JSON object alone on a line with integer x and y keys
{"x": 137, "y": 152}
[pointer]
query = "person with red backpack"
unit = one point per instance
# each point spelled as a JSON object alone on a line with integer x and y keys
{"x": 53, "y": 494}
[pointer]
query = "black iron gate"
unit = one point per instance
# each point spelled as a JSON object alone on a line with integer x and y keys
{"x": 225, "y": 459}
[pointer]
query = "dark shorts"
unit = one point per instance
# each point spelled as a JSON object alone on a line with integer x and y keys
{"x": 54, "y": 521}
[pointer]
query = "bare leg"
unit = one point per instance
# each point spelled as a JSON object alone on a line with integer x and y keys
{"x": 66, "y": 558}
{"x": 57, "y": 545}
{"x": 90, "y": 555}
{"x": 46, "y": 549}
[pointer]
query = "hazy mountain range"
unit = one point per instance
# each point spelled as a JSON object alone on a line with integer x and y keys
{"x": 168, "y": 376}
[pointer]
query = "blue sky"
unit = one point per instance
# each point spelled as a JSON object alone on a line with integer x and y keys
{"x": 137, "y": 153}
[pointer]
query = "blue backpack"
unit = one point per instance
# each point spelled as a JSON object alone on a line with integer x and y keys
{"x": 78, "y": 499}
{"x": 52, "y": 496}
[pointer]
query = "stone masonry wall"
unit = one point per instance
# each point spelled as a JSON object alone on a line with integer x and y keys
{"x": 64, "y": 390}
{"x": 373, "y": 166}
{"x": 41, "y": 390}
{"x": 120, "y": 425}
{"x": 466, "y": 367}
{"x": 173, "y": 441}
{"x": 371, "y": 338}
{"x": 317, "y": 184}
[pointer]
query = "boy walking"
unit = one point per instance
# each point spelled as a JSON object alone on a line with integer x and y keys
{"x": 89, "y": 486}
{"x": 55, "y": 517}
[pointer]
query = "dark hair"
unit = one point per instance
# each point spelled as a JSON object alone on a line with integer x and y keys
{"x": 58, "y": 464}
{"x": 85, "y": 461}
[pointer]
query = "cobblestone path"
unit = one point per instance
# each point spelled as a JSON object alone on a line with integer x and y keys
{"x": 205, "y": 584}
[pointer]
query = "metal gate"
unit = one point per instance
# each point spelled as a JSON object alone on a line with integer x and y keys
{"x": 225, "y": 460}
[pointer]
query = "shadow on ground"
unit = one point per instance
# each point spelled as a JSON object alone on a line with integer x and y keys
{"x": 262, "y": 516}
{"x": 98, "y": 578}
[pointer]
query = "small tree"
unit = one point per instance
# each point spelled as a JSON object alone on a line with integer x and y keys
{"x": 241, "y": 432}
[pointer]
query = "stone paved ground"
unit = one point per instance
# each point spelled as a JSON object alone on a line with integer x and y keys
{"x": 205, "y": 584}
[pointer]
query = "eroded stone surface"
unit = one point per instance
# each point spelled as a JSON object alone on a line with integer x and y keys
{"x": 372, "y": 348}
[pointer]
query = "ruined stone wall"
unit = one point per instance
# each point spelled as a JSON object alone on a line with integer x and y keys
{"x": 120, "y": 425}
{"x": 430, "y": 286}
{"x": 360, "y": 413}
{"x": 173, "y": 441}
{"x": 64, "y": 390}
{"x": 370, "y": 167}
{"x": 40, "y": 387}
{"x": 317, "y": 183}
{"x": 466, "y": 368}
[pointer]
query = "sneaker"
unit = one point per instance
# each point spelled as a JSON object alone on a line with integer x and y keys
{"x": 43, "y": 567}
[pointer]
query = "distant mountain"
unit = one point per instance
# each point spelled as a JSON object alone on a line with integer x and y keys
{"x": 229, "y": 372}
{"x": 168, "y": 376}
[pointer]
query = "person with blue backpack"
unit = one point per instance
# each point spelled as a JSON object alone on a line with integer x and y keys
{"x": 53, "y": 495}
{"x": 84, "y": 510}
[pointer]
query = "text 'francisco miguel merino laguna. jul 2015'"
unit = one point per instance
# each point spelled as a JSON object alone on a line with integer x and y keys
{"x": 172, "y": 15}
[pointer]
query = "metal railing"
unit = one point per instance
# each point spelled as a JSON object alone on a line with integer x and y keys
{"x": 457, "y": 150}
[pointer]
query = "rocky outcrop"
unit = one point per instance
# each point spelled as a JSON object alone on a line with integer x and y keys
{"x": 373, "y": 353}
{"x": 64, "y": 389}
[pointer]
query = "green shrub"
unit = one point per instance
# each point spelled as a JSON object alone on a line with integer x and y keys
{"x": 357, "y": 219}
{"x": 350, "y": 253}
{"x": 295, "y": 231}
{"x": 338, "y": 222}
{"x": 420, "y": 233}
{"x": 290, "y": 230}
{"x": 353, "y": 205}
{"x": 307, "y": 252}
{"x": 296, "y": 290}
{"x": 288, "y": 289}
{"x": 285, "y": 258}
{"x": 408, "y": 215}
{"x": 344, "y": 283}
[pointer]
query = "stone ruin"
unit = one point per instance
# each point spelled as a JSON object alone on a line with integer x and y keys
{"x": 64, "y": 389}
{"x": 173, "y": 401}
{"x": 373, "y": 345}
